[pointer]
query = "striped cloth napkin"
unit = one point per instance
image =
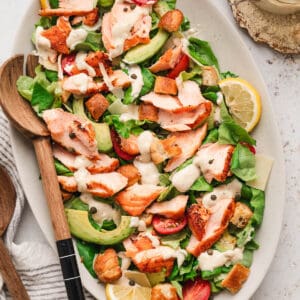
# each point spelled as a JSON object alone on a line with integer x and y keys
{"x": 36, "y": 263}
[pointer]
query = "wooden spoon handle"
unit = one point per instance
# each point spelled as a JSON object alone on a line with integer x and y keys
{"x": 43, "y": 150}
{"x": 10, "y": 275}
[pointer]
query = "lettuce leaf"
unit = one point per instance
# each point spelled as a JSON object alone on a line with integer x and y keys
{"x": 62, "y": 169}
{"x": 41, "y": 98}
{"x": 91, "y": 43}
{"x": 257, "y": 204}
{"x": 200, "y": 185}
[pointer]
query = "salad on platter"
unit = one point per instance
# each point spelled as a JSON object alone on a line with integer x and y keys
{"x": 162, "y": 186}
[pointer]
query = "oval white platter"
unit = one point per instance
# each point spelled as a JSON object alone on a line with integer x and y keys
{"x": 233, "y": 55}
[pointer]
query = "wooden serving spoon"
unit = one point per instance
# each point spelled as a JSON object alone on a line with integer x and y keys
{"x": 7, "y": 207}
{"x": 27, "y": 122}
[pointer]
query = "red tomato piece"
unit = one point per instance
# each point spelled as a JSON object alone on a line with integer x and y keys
{"x": 144, "y": 2}
{"x": 250, "y": 147}
{"x": 67, "y": 63}
{"x": 117, "y": 146}
{"x": 167, "y": 225}
{"x": 182, "y": 65}
{"x": 196, "y": 290}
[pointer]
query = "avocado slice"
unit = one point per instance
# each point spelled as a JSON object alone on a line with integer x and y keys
{"x": 141, "y": 53}
{"x": 103, "y": 137}
{"x": 81, "y": 228}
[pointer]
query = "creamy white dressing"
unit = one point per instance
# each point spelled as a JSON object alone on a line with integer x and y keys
{"x": 95, "y": 27}
{"x": 76, "y": 37}
{"x": 81, "y": 176}
{"x": 132, "y": 113}
{"x": 78, "y": 82}
{"x": 138, "y": 223}
{"x": 166, "y": 290}
{"x": 136, "y": 78}
{"x": 220, "y": 98}
{"x": 125, "y": 261}
{"x": 148, "y": 171}
{"x": 185, "y": 178}
{"x": 81, "y": 162}
{"x": 82, "y": 65}
{"x": 59, "y": 68}
{"x": 214, "y": 259}
{"x": 104, "y": 210}
{"x": 121, "y": 30}
{"x": 145, "y": 139}
{"x": 226, "y": 191}
{"x": 154, "y": 239}
{"x": 47, "y": 56}
{"x": 217, "y": 115}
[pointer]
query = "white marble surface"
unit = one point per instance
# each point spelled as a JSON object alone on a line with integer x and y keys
{"x": 282, "y": 75}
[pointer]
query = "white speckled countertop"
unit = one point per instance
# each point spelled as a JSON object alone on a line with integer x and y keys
{"x": 282, "y": 76}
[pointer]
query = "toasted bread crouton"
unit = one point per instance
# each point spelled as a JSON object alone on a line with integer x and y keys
{"x": 164, "y": 291}
{"x": 162, "y": 150}
{"x": 131, "y": 173}
{"x": 165, "y": 85}
{"x": 148, "y": 112}
{"x": 210, "y": 76}
{"x": 107, "y": 267}
{"x": 242, "y": 215}
{"x": 58, "y": 34}
{"x": 171, "y": 20}
{"x": 198, "y": 217}
{"x": 97, "y": 105}
{"x": 235, "y": 278}
{"x": 91, "y": 18}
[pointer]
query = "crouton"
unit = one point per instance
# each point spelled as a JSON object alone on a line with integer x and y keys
{"x": 165, "y": 85}
{"x": 97, "y": 105}
{"x": 210, "y": 76}
{"x": 165, "y": 291}
{"x": 107, "y": 267}
{"x": 148, "y": 112}
{"x": 242, "y": 215}
{"x": 235, "y": 278}
{"x": 131, "y": 173}
{"x": 91, "y": 18}
{"x": 171, "y": 20}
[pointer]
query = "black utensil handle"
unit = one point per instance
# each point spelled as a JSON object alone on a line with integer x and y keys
{"x": 70, "y": 269}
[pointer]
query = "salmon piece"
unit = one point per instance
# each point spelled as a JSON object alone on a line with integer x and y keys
{"x": 58, "y": 34}
{"x": 186, "y": 120}
{"x": 69, "y": 8}
{"x": 168, "y": 60}
{"x": 66, "y": 195}
{"x": 153, "y": 261}
{"x": 130, "y": 145}
{"x": 220, "y": 215}
{"x": 131, "y": 173}
{"x": 162, "y": 150}
{"x": 97, "y": 105}
{"x": 148, "y": 112}
{"x": 68, "y": 184}
{"x": 189, "y": 94}
{"x": 164, "y": 291}
{"x": 171, "y": 20}
{"x": 189, "y": 142}
{"x": 136, "y": 198}
{"x": 214, "y": 161}
{"x": 82, "y": 84}
{"x": 165, "y": 85}
{"x": 173, "y": 208}
{"x": 104, "y": 164}
{"x": 198, "y": 216}
{"x": 72, "y": 132}
{"x": 92, "y": 17}
{"x": 165, "y": 102}
{"x": 95, "y": 58}
{"x": 120, "y": 79}
{"x": 107, "y": 267}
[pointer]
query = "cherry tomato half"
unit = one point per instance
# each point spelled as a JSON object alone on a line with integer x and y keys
{"x": 198, "y": 289}
{"x": 117, "y": 146}
{"x": 182, "y": 65}
{"x": 67, "y": 64}
{"x": 168, "y": 226}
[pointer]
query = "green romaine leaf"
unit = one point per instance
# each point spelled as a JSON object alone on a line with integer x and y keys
{"x": 257, "y": 203}
{"x": 202, "y": 52}
{"x": 185, "y": 25}
{"x": 171, "y": 3}
{"x": 106, "y": 3}
{"x": 108, "y": 225}
{"x": 246, "y": 235}
{"x": 91, "y": 43}
{"x": 54, "y": 3}
{"x": 87, "y": 253}
{"x": 62, "y": 169}
{"x": 178, "y": 288}
{"x": 52, "y": 76}
{"x": 173, "y": 240}
{"x": 247, "y": 258}
{"x": 225, "y": 116}
{"x": 243, "y": 163}
{"x": 211, "y": 96}
{"x": 25, "y": 86}
{"x": 45, "y": 22}
{"x": 212, "y": 136}
{"x": 76, "y": 203}
{"x": 228, "y": 74}
{"x": 41, "y": 98}
{"x": 149, "y": 80}
{"x": 231, "y": 133}
{"x": 200, "y": 185}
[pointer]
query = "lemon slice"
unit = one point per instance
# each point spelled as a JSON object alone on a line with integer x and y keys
{"x": 126, "y": 292}
{"x": 243, "y": 101}
{"x": 44, "y": 4}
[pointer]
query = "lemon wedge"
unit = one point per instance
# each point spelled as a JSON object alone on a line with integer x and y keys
{"x": 44, "y": 4}
{"x": 124, "y": 292}
{"x": 243, "y": 102}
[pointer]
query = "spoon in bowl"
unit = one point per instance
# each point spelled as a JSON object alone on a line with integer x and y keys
{"x": 21, "y": 115}
{"x": 7, "y": 207}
